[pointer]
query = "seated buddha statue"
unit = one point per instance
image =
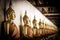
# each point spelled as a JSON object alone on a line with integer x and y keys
{"x": 10, "y": 28}
{"x": 27, "y": 30}
{"x": 40, "y": 30}
{"x": 35, "y": 29}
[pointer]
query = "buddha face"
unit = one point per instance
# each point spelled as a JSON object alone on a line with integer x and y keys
{"x": 26, "y": 21}
{"x": 34, "y": 24}
{"x": 12, "y": 16}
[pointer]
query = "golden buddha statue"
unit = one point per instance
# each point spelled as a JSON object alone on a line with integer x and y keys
{"x": 10, "y": 27}
{"x": 9, "y": 12}
{"x": 25, "y": 19}
{"x": 34, "y": 26}
{"x": 35, "y": 29}
{"x": 40, "y": 29}
{"x": 34, "y": 22}
{"x": 27, "y": 30}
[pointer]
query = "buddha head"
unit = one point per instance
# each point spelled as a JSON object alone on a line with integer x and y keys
{"x": 25, "y": 19}
{"x": 10, "y": 14}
